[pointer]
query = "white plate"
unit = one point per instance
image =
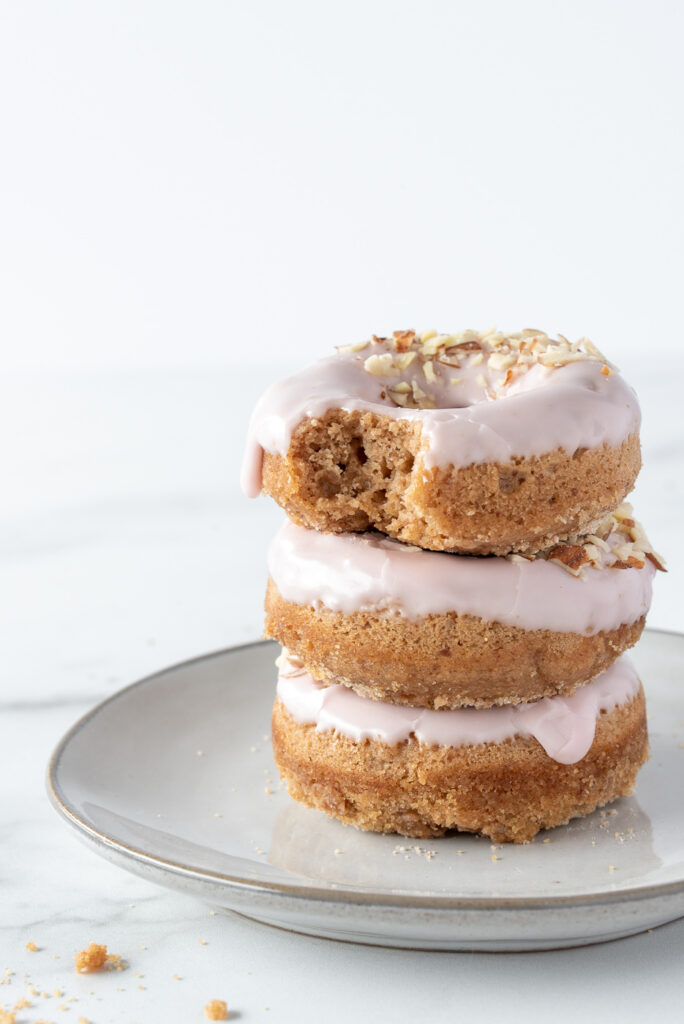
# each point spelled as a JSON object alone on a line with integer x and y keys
{"x": 170, "y": 779}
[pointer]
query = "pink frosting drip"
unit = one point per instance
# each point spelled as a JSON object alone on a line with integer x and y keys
{"x": 564, "y": 726}
{"x": 572, "y": 406}
{"x": 353, "y": 572}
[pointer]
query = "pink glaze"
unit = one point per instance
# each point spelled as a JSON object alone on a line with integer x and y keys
{"x": 564, "y": 726}
{"x": 367, "y": 572}
{"x": 572, "y": 406}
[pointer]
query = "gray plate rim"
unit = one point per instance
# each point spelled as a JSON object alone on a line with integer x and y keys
{"x": 295, "y": 891}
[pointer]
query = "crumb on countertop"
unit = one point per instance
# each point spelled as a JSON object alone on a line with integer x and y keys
{"x": 115, "y": 962}
{"x": 31, "y": 946}
{"x": 91, "y": 959}
{"x": 216, "y": 1009}
{"x": 96, "y": 958}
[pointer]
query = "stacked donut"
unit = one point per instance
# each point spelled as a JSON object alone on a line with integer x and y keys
{"x": 457, "y": 582}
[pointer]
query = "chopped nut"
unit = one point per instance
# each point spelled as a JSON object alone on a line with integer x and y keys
{"x": 468, "y": 346}
{"x": 380, "y": 365}
{"x": 404, "y": 360}
{"x": 420, "y": 397}
{"x": 593, "y": 351}
{"x": 513, "y": 354}
{"x": 432, "y": 346}
{"x": 607, "y": 539}
{"x": 501, "y": 360}
{"x": 629, "y": 563}
{"x": 400, "y": 398}
{"x": 429, "y": 371}
{"x": 570, "y": 556}
{"x": 358, "y": 346}
{"x": 403, "y": 340}
{"x": 598, "y": 542}
{"x": 559, "y": 357}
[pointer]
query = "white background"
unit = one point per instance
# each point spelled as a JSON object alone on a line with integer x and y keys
{"x": 208, "y": 182}
{"x": 196, "y": 198}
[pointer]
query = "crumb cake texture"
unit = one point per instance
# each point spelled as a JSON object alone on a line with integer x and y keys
{"x": 353, "y": 471}
{"x": 474, "y": 442}
{"x": 508, "y": 791}
{"x": 443, "y": 661}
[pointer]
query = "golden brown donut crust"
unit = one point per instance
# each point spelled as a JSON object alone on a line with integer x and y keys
{"x": 442, "y": 661}
{"x": 508, "y": 791}
{"x": 351, "y": 471}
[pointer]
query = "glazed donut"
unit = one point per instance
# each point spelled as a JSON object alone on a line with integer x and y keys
{"x": 480, "y": 443}
{"x": 506, "y": 772}
{"x": 437, "y": 630}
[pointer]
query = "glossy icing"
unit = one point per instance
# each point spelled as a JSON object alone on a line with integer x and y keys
{"x": 564, "y": 726}
{"x": 480, "y": 418}
{"x": 353, "y": 572}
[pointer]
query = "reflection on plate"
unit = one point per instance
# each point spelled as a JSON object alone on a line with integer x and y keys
{"x": 173, "y": 779}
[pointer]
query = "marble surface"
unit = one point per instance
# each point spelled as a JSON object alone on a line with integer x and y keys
{"x": 126, "y": 546}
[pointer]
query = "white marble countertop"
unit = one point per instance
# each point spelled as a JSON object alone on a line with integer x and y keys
{"x": 126, "y": 547}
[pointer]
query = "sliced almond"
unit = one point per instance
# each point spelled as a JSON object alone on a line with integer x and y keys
{"x": 570, "y": 556}
{"x": 656, "y": 560}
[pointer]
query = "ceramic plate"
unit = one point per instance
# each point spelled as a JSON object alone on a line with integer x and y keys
{"x": 173, "y": 779}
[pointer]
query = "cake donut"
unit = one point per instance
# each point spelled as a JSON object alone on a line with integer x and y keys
{"x": 472, "y": 442}
{"x": 437, "y": 630}
{"x": 506, "y": 772}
